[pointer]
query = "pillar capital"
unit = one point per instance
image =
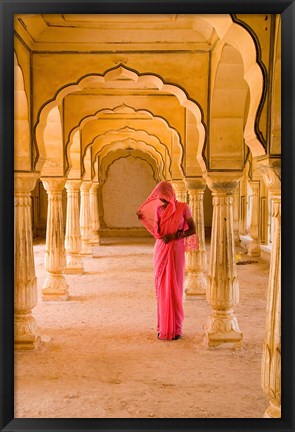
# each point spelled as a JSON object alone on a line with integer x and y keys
{"x": 195, "y": 184}
{"x": 180, "y": 189}
{"x": 53, "y": 184}
{"x": 179, "y": 185}
{"x": 94, "y": 186}
{"x": 271, "y": 171}
{"x": 85, "y": 186}
{"x": 24, "y": 183}
{"x": 73, "y": 185}
{"x": 223, "y": 182}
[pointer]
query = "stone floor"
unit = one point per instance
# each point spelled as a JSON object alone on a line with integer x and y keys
{"x": 100, "y": 356}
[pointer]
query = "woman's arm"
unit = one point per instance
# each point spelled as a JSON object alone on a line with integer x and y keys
{"x": 180, "y": 233}
{"x": 191, "y": 228}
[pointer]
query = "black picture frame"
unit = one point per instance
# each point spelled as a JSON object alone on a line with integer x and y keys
{"x": 7, "y": 9}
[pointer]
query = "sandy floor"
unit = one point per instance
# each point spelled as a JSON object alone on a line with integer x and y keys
{"x": 100, "y": 356}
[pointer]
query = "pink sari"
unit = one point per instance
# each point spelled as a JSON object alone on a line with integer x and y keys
{"x": 169, "y": 258}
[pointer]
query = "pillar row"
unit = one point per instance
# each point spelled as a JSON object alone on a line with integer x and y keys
{"x": 26, "y": 335}
{"x": 196, "y": 260}
{"x": 222, "y": 328}
{"x": 73, "y": 243}
{"x": 85, "y": 218}
{"x": 55, "y": 287}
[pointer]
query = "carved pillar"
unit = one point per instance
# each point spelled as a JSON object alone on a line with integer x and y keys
{"x": 85, "y": 218}
{"x": 180, "y": 190}
{"x": 223, "y": 292}
{"x": 94, "y": 213}
{"x": 243, "y": 205}
{"x": 55, "y": 286}
{"x": 271, "y": 357}
{"x": 25, "y": 286}
{"x": 73, "y": 243}
{"x": 196, "y": 260}
{"x": 254, "y": 248}
{"x": 236, "y": 204}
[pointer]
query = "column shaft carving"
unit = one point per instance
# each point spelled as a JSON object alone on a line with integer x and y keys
{"x": 254, "y": 246}
{"x": 85, "y": 218}
{"x": 196, "y": 260}
{"x": 222, "y": 327}
{"x": 271, "y": 357}
{"x": 236, "y": 204}
{"x": 73, "y": 243}
{"x": 25, "y": 289}
{"x": 94, "y": 213}
{"x": 55, "y": 286}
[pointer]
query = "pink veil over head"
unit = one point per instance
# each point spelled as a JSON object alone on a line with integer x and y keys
{"x": 148, "y": 210}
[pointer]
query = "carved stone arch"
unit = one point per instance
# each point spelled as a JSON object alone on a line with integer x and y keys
{"x": 22, "y": 134}
{"x": 124, "y": 109}
{"x": 129, "y": 145}
{"x": 118, "y": 76}
{"x": 53, "y": 142}
{"x": 172, "y": 165}
{"x": 238, "y": 37}
{"x": 115, "y": 154}
{"x": 228, "y": 110}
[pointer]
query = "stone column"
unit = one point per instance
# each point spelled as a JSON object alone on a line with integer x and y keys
{"x": 94, "y": 213}
{"x": 222, "y": 327}
{"x": 55, "y": 287}
{"x": 73, "y": 243}
{"x": 236, "y": 204}
{"x": 25, "y": 283}
{"x": 271, "y": 357}
{"x": 254, "y": 248}
{"x": 85, "y": 218}
{"x": 180, "y": 190}
{"x": 196, "y": 260}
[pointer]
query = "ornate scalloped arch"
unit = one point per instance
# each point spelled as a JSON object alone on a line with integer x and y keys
{"x": 128, "y": 131}
{"x": 235, "y": 35}
{"x": 118, "y": 74}
{"x": 112, "y": 156}
{"x": 130, "y": 145}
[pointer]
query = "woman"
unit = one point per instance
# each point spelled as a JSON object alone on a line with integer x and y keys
{"x": 170, "y": 222}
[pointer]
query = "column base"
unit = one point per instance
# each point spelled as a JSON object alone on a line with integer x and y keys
{"x": 195, "y": 285}
{"x": 95, "y": 240}
{"x": 55, "y": 288}
{"x": 222, "y": 330}
{"x": 74, "y": 264}
{"x": 253, "y": 250}
{"x": 26, "y": 336}
{"x": 273, "y": 411}
{"x": 86, "y": 248}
